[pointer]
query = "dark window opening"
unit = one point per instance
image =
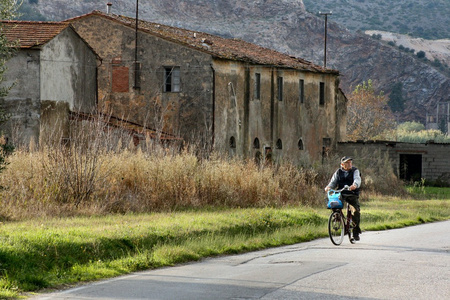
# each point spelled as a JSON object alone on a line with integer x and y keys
{"x": 301, "y": 86}
{"x": 300, "y": 144}
{"x": 232, "y": 142}
{"x": 280, "y": 88}
{"x": 279, "y": 144}
{"x": 257, "y": 86}
{"x": 322, "y": 94}
{"x": 172, "y": 79}
{"x": 256, "y": 143}
{"x": 411, "y": 167}
{"x": 267, "y": 155}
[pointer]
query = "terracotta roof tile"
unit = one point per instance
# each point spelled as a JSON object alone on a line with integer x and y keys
{"x": 30, "y": 34}
{"x": 233, "y": 49}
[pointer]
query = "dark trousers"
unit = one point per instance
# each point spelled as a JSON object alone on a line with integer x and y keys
{"x": 353, "y": 199}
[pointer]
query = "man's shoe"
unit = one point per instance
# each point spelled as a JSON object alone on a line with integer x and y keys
{"x": 356, "y": 237}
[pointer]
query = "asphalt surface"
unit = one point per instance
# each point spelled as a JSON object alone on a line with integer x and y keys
{"x": 408, "y": 263}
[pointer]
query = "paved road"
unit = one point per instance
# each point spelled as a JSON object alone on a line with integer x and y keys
{"x": 408, "y": 263}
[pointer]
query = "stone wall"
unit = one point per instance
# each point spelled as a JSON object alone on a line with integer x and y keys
{"x": 288, "y": 129}
{"x": 187, "y": 112}
{"x": 430, "y": 161}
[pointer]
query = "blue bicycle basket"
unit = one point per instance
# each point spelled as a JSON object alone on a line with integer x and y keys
{"x": 333, "y": 200}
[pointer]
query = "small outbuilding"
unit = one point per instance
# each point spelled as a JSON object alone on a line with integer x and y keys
{"x": 52, "y": 73}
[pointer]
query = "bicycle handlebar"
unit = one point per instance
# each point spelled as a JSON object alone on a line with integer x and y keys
{"x": 345, "y": 188}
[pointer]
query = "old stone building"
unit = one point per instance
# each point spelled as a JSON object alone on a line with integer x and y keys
{"x": 52, "y": 73}
{"x": 241, "y": 98}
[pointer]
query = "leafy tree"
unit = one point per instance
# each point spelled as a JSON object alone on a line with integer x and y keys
{"x": 368, "y": 115}
{"x": 443, "y": 125}
{"x": 411, "y": 126}
{"x": 396, "y": 100}
{"x": 415, "y": 132}
{"x": 8, "y": 10}
{"x": 420, "y": 54}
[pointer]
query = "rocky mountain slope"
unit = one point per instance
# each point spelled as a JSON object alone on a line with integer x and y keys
{"x": 427, "y": 19}
{"x": 433, "y": 49}
{"x": 285, "y": 25}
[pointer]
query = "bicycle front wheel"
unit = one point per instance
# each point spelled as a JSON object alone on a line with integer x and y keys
{"x": 336, "y": 228}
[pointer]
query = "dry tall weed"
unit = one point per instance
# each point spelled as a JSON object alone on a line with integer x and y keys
{"x": 94, "y": 178}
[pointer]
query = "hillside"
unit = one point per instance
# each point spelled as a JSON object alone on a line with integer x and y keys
{"x": 434, "y": 49}
{"x": 285, "y": 25}
{"x": 427, "y": 19}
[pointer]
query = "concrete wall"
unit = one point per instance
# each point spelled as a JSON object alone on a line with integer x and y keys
{"x": 433, "y": 159}
{"x": 23, "y": 100}
{"x": 68, "y": 72}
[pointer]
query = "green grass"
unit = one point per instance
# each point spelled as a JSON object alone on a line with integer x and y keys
{"x": 42, "y": 254}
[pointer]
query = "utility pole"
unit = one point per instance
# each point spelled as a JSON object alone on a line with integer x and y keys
{"x": 136, "y": 63}
{"x": 325, "y": 47}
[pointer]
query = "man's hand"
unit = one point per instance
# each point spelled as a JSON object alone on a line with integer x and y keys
{"x": 327, "y": 189}
{"x": 352, "y": 187}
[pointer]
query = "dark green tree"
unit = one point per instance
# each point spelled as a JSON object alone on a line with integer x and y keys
{"x": 443, "y": 125}
{"x": 396, "y": 100}
{"x": 8, "y": 11}
{"x": 420, "y": 54}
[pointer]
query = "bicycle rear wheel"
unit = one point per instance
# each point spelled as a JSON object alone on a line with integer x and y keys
{"x": 336, "y": 228}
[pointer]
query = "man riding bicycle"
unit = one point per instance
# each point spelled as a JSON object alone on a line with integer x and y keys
{"x": 350, "y": 176}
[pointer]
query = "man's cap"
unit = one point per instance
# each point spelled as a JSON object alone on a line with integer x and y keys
{"x": 345, "y": 159}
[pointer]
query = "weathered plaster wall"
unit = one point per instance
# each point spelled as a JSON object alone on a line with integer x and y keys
{"x": 68, "y": 72}
{"x": 242, "y": 117}
{"x": 23, "y": 100}
{"x": 188, "y": 112}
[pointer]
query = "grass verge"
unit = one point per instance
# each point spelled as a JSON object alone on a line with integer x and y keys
{"x": 53, "y": 253}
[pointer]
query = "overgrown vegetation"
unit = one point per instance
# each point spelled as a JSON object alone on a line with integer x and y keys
{"x": 414, "y": 132}
{"x": 99, "y": 173}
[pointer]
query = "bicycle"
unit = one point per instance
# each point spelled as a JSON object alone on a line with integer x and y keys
{"x": 338, "y": 223}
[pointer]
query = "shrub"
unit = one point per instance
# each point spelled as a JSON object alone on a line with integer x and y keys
{"x": 420, "y": 54}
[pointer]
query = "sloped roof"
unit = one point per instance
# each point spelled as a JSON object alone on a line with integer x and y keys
{"x": 230, "y": 49}
{"x": 30, "y": 34}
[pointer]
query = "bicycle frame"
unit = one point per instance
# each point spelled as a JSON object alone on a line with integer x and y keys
{"x": 340, "y": 225}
